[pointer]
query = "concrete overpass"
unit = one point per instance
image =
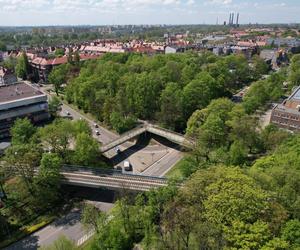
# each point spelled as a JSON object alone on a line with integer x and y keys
{"x": 111, "y": 179}
{"x": 146, "y": 127}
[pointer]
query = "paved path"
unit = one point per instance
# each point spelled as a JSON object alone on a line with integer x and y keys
{"x": 68, "y": 225}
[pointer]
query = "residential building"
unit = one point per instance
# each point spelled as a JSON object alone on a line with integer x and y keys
{"x": 287, "y": 114}
{"x": 42, "y": 67}
{"x": 7, "y": 76}
{"x": 174, "y": 49}
{"x": 21, "y": 100}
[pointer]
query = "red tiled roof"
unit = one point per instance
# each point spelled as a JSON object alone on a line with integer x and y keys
{"x": 61, "y": 60}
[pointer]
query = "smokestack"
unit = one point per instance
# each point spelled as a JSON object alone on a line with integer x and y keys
{"x": 237, "y": 19}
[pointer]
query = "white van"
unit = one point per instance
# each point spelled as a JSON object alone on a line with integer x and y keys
{"x": 127, "y": 166}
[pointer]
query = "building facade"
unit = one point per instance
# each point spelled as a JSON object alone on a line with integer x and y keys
{"x": 7, "y": 77}
{"x": 20, "y": 100}
{"x": 287, "y": 114}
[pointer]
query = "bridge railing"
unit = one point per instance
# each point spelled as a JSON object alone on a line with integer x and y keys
{"x": 124, "y": 137}
{"x": 108, "y": 172}
{"x": 186, "y": 140}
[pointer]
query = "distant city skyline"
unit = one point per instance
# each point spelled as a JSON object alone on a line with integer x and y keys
{"x": 112, "y": 12}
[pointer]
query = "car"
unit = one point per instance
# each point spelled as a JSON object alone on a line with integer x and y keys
{"x": 118, "y": 150}
{"x": 68, "y": 113}
{"x": 119, "y": 168}
{"x": 127, "y": 166}
{"x": 96, "y": 125}
{"x": 97, "y": 132}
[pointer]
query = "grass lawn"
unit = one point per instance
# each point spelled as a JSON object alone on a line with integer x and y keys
{"x": 87, "y": 245}
{"x": 175, "y": 172}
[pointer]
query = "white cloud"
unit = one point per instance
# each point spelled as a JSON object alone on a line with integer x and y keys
{"x": 190, "y": 2}
{"x": 85, "y": 5}
{"x": 223, "y": 2}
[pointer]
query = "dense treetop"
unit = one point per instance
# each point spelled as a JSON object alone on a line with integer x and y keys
{"x": 145, "y": 87}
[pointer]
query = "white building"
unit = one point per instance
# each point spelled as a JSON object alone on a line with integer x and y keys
{"x": 20, "y": 100}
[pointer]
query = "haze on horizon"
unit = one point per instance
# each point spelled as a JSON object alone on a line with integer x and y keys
{"x": 111, "y": 12}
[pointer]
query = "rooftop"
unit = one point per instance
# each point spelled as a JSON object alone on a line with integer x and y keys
{"x": 296, "y": 94}
{"x": 282, "y": 108}
{"x": 4, "y": 145}
{"x": 18, "y": 91}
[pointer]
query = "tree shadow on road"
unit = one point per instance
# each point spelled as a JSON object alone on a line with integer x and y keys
{"x": 142, "y": 142}
{"x": 28, "y": 243}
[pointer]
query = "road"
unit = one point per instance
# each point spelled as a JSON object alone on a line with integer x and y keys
{"x": 69, "y": 225}
{"x": 161, "y": 167}
{"x": 155, "y": 159}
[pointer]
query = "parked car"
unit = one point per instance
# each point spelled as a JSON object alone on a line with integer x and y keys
{"x": 97, "y": 132}
{"x": 96, "y": 125}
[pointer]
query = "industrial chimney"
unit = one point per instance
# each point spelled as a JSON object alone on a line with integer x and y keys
{"x": 237, "y": 20}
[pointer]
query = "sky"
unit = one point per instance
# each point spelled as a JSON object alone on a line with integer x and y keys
{"x": 112, "y": 12}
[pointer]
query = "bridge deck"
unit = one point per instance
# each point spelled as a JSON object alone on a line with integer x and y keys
{"x": 110, "y": 179}
{"x": 170, "y": 135}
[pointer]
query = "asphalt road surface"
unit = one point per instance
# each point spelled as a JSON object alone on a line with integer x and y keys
{"x": 164, "y": 165}
{"x": 69, "y": 225}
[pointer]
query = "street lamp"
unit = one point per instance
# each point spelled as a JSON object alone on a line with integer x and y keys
{"x": 152, "y": 156}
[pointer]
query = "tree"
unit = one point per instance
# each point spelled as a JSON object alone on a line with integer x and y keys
{"x": 47, "y": 182}
{"x": 50, "y": 166}
{"x": 54, "y": 105}
{"x": 234, "y": 196}
{"x": 2, "y": 46}
{"x": 76, "y": 58}
{"x": 86, "y": 150}
{"x": 279, "y": 172}
{"x": 59, "y": 52}
{"x": 22, "y": 131}
{"x": 22, "y": 160}
{"x": 120, "y": 123}
{"x": 57, "y": 136}
{"x": 199, "y": 92}
{"x": 260, "y": 67}
{"x": 171, "y": 114}
{"x": 295, "y": 78}
{"x": 70, "y": 58}
{"x": 81, "y": 126}
{"x": 247, "y": 236}
{"x": 22, "y": 67}
{"x": 238, "y": 153}
{"x": 291, "y": 233}
{"x": 93, "y": 218}
{"x": 57, "y": 77}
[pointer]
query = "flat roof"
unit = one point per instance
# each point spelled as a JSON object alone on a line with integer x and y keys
{"x": 18, "y": 91}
